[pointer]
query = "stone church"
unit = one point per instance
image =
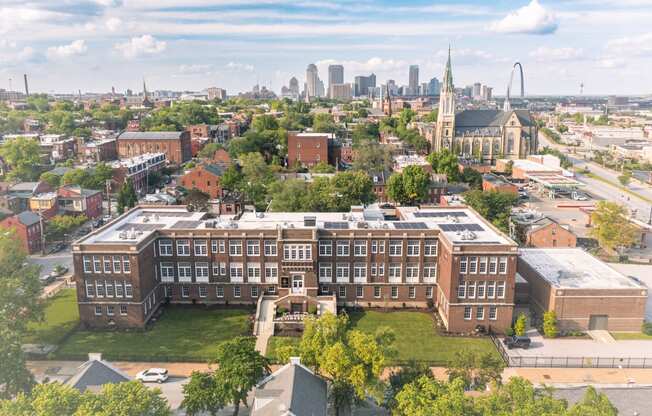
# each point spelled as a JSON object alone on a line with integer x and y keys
{"x": 486, "y": 135}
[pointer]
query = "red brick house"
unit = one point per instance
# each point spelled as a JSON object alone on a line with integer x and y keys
{"x": 544, "y": 232}
{"x": 308, "y": 149}
{"x": 74, "y": 200}
{"x": 28, "y": 229}
{"x": 222, "y": 158}
{"x": 205, "y": 178}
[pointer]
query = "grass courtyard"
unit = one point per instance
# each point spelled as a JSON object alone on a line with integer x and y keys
{"x": 61, "y": 316}
{"x": 182, "y": 334}
{"x": 630, "y": 336}
{"x": 416, "y": 337}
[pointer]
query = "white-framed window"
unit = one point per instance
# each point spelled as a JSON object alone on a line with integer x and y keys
{"x": 413, "y": 248}
{"x": 119, "y": 290}
{"x": 377, "y": 292}
{"x": 123, "y": 310}
{"x": 342, "y": 271}
{"x": 394, "y": 292}
{"x": 235, "y": 247}
{"x": 214, "y": 246}
{"x": 326, "y": 248}
{"x": 109, "y": 289}
{"x": 254, "y": 291}
{"x": 428, "y": 292}
{"x": 430, "y": 248}
{"x": 468, "y": 310}
{"x": 360, "y": 248}
{"x": 461, "y": 290}
{"x": 126, "y": 264}
{"x": 483, "y": 265}
{"x": 219, "y": 291}
{"x": 201, "y": 272}
{"x": 201, "y": 248}
{"x": 270, "y": 248}
{"x": 470, "y": 290}
{"x": 184, "y": 271}
{"x": 342, "y": 248}
{"x": 222, "y": 268}
{"x": 412, "y": 292}
{"x": 185, "y": 291}
{"x": 395, "y": 247}
{"x": 493, "y": 265}
{"x": 381, "y": 269}
{"x": 203, "y": 291}
{"x": 374, "y": 246}
{"x": 481, "y": 290}
{"x": 297, "y": 252}
{"x": 271, "y": 272}
{"x": 502, "y": 266}
{"x": 98, "y": 310}
{"x": 359, "y": 292}
{"x": 381, "y": 246}
{"x": 271, "y": 290}
{"x": 222, "y": 245}
{"x": 374, "y": 269}
{"x": 500, "y": 290}
{"x": 117, "y": 264}
{"x": 395, "y": 273}
{"x": 430, "y": 272}
{"x": 463, "y": 265}
{"x": 107, "y": 264}
{"x": 215, "y": 266}
{"x": 97, "y": 266}
{"x": 237, "y": 291}
{"x": 87, "y": 264}
{"x": 165, "y": 247}
{"x": 479, "y": 313}
{"x": 341, "y": 291}
{"x": 129, "y": 291}
{"x": 253, "y": 272}
{"x": 473, "y": 264}
{"x": 183, "y": 247}
{"x": 360, "y": 272}
{"x": 90, "y": 289}
{"x": 99, "y": 289}
{"x": 412, "y": 273}
{"x": 253, "y": 248}
{"x": 236, "y": 272}
{"x": 167, "y": 272}
{"x": 491, "y": 290}
{"x": 493, "y": 313}
{"x": 325, "y": 272}
{"x": 110, "y": 310}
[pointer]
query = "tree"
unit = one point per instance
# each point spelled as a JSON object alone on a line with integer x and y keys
{"x": 471, "y": 177}
{"x": 431, "y": 117}
{"x": 611, "y": 227}
{"x": 495, "y": 206}
{"x": 322, "y": 167}
{"x": 427, "y": 396}
{"x": 197, "y": 200}
{"x": 323, "y": 123}
{"x": 520, "y": 326}
{"x": 23, "y": 156}
{"x": 475, "y": 369}
{"x": 519, "y": 397}
{"x": 239, "y": 368}
{"x": 51, "y": 179}
{"x": 127, "y": 197}
{"x": 201, "y": 394}
{"x": 209, "y": 150}
{"x": 19, "y": 304}
{"x": 406, "y": 374}
{"x": 550, "y": 324}
{"x": 59, "y": 225}
{"x": 593, "y": 404}
{"x": 445, "y": 162}
{"x": 371, "y": 157}
{"x": 410, "y": 186}
{"x": 625, "y": 178}
{"x": 231, "y": 179}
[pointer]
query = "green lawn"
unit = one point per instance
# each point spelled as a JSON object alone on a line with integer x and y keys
{"x": 275, "y": 342}
{"x": 61, "y": 317}
{"x": 182, "y": 334}
{"x": 416, "y": 336}
{"x": 624, "y": 336}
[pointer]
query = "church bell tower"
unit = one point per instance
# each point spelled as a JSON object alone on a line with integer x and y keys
{"x": 446, "y": 116}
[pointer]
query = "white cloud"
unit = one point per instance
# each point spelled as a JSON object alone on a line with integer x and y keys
{"x": 609, "y": 63}
{"x": 138, "y": 46}
{"x": 195, "y": 69}
{"x": 374, "y": 64}
{"x": 113, "y": 24}
{"x": 544, "y": 53}
{"x": 11, "y": 54}
{"x": 235, "y": 66}
{"x": 12, "y": 18}
{"x": 639, "y": 45}
{"x": 530, "y": 19}
{"x": 76, "y": 47}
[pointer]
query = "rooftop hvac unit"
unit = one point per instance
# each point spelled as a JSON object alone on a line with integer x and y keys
{"x": 122, "y": 235}
{"x": 309, "y": 221}
{"x": 210, "y": 224}
{"x": 363, "y": 224}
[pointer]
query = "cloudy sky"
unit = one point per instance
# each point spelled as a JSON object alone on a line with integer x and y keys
{"x": 92, "y": 45}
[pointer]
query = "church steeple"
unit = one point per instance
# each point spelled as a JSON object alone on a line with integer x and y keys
{"x": 447, "y": 84}
{"x": 447, "y": 93}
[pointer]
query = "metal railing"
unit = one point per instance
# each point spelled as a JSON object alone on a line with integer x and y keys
{"x": 570, "y": 361}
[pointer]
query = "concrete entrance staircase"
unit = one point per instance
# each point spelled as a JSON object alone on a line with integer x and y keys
{"x": 264, "y": 325}
{"x": 600, "y": 335}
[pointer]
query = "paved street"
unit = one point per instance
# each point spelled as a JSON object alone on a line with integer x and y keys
{"x": 48, "y": 263}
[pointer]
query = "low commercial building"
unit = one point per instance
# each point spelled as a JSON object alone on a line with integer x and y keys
{"x": 493, "y": 182}
{"x": 174, "y": 144}
{"x": 584, "y": 292}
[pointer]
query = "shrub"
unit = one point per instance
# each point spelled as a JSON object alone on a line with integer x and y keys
{"x": 509, "y": 331}
{"x": 550, "y": 324}
{"x": 281, "y": 310}
{"x": 312, "y": 309}
{"x": 647, "y": 328}
{"x": 521, "y": 325}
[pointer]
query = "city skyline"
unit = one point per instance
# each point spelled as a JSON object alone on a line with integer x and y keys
{"x": 93, "y": 45}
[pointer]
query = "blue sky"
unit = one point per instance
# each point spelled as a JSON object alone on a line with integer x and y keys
{"x": 92, "y": 45}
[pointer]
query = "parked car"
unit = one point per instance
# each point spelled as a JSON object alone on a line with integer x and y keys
{"x": 578, "y": 196}
{"x": 46, "y": 279}
{"x": 98, "y": 223}
{"x": 517, "y": 342}
{"x": 56, "y": 248}
{"x": 153, "y": 375}
{"x": 59, "y": 271}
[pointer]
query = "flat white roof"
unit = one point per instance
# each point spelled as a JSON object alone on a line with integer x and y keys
{"x": 573, "y": 268}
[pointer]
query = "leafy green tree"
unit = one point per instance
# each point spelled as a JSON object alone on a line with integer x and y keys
{"x": 19, "y": 304}
{"x": 471, "y": 177}
{"x": 495, "y": 206}
{"x": 201, "y": 394}
{"x": 131, "y": 398}
{"x": 323, "y": 123}
{"x": 209, "y": 150}
{"x": 550, "y": 324}
{"x": 38, "y": 102}
{"x": 625, "y": 178}
{"x": 398, "y": 378}
{"x": 519, "y": 397}
{"x": 475, "y": 369}
{"x": 127, "y": 197}
{"x": 410, "y": 186}
{"x": 232, "y": 179}
{"x": 611, "y": 227}
{"x": 431, "y": 117}
{"x": 59, "y": 225}
{"x": 520, "y": 326}
{"x": 51, "y": 179}
{"x": 289, "y": 196}
{"x": 322, "y": 167}
{"x": 593, "y": 404}
{"x": 22, "y": 156}
{"x": 264, "y": 122}
{"x": 427, "y": 396}
{"x": 371, "y": 157}
{"x": 445, "y": 162}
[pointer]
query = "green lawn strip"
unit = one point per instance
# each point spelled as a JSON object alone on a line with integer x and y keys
{"x": 625, "y": 336}
{"x": 61, "y": 316}
{"x": 277, "y": 341}
{"x": 614, "y": 184}
{"x": 182, "y": 334}
{"x": 416, "y": 336}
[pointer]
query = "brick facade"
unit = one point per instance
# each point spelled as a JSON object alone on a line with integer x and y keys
{"x": 307, "y": 149}
{"x": 175, "y": 145}
{"x": 205, "y": 178}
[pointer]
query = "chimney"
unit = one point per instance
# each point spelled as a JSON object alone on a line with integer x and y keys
{"x": 293, "y": 360}
{"x": 26, "y": 87}
{"x": 94, "y": 356}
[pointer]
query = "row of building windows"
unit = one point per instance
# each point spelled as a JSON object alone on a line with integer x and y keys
{"x": 340, "y": 291}
{"x": 254, "y": 291}
{"x": 483, "y": 265}
{"x": 479, "y": 313}
{"x": 109, "y": 289}
{"x": 481, "y": 290}
{"x": 184, "y": 271}
{"x": 110, "y": 310}
{"x": 106, "y": 264}
{"x": 413, "y": 248}
{"x": 343, "y": 270}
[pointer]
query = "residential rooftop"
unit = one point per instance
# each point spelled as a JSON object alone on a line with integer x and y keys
{"x": 573, "y": 268}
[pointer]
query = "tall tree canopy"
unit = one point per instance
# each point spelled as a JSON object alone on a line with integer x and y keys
{"x": 495, "y": 206}
{"x": 410, "y": 186}
{"x": 22, "y": 156}
{"x": 611, "y": 227}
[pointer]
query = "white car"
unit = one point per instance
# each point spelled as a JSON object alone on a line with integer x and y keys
{"x": 153, "y": 375}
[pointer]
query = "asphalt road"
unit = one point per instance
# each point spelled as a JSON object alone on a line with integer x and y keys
{"x": 48, "y": 263}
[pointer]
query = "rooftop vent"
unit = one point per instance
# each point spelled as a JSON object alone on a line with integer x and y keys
{"x": 309, "y": 221}
{"x": 363, "y": 224}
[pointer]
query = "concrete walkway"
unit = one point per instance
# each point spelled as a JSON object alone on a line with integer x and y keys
{"x": 265, "y": 325}
{"x": 600, "y": 335}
